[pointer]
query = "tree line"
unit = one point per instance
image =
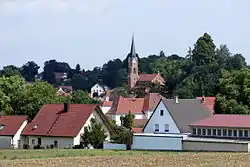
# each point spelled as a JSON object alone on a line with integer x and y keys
{"x": 206, "y": 70}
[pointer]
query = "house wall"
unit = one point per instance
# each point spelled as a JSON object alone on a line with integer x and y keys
{"x": 148, "y": 114}
{"x": 118, "y": 120}
{"x": 156, "y": 118}
{"x": 114, "y": 146}
{"x": 215, "y": 146}
{"x": 63, "y": 142}
{"x": 97, "y": 88}
{"x": 105, "y": 109}
{"x": 5, "y": 142}
{"x": 157, "y": 143}
{"x": 17, "y": 136}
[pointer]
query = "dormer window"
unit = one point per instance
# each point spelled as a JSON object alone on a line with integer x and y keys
{"x": 161, "y": 113}
{"x": 1, "y": 127}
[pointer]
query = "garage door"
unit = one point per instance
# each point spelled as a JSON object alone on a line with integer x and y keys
{"x": 5, "y": 142}
{"x": 157, "y": 143}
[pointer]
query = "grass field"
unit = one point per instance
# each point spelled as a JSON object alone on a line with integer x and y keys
{"x": 98, "y": 158}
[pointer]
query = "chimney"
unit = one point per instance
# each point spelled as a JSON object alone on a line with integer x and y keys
{"x": 66, "y": 107}
{"x": 176, "y": 100}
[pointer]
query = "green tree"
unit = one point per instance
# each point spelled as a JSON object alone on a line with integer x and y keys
{"x": 94, "y": 134}
{"x": 29, "y": 71}
{"x": 234, "y": 93}
{"x": 127, "y": 121}
{"x": 81, "y": 97}
{"x": 10, "y": 70}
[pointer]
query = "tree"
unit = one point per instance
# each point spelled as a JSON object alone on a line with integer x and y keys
{"x": 162, "y": 54}
{"x": 10, "y": 70}
{"x": 127, "y": 121}
{"x": 78, "y": 69}
{"x": 94, "y": 134}
{"x": 29, "y": 71}
{"x": 234, "y": 93}
{"x": 81, "y": 97}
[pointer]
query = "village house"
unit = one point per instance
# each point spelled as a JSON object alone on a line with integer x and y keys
{"x": 208, "y": 102}
{"x": 141, "y": 108}
{"x": 61, "y": 125}
{"x": 10, "y": 130}
{"x": 64, "y": 90}
{"x": 169, "y": 123}
{"x": 134, "y": 78}
{"x": 98, "y": 89}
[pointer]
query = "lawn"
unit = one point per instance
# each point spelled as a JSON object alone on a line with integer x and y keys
{"x": 38, "y": 158}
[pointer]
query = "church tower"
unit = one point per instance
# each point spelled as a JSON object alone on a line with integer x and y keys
{"x": 133, "y": 75}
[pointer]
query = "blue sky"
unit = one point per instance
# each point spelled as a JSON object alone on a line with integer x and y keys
{"x": 91, "y": 32}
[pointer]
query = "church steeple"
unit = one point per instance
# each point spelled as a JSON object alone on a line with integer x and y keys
{"x": 132, "y": 51}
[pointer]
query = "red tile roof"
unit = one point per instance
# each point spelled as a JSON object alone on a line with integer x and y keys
{"x": 151, "y": 101}
{"x": 209, "y": 103}
{"x": 137, "y": 130}
{"x": 107, "y": 103}
{"x": 139, "y": 123}
{"x": 147, "y": 77}
{"x": 51, "y": 120}
{"x": 225, "y": 120}
{"x": 11, "y": 124}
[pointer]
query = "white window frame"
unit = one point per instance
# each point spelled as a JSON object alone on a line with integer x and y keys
{"x": 166, "y": 127}
{"x": 157, "y": 129}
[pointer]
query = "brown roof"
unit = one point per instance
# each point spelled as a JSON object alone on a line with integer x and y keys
{"x": 225, "y": 120}
{"x": 107, "y": 104}
{"x": 139, "y": 123}
{"x": 123, "y": 105}
{"x": 137, "y": 130}
{"x": 52, "y": 120}
{"x": 209, "y": 102}
{"x": 147, "y": 77}
{"x": 11, "y": 124}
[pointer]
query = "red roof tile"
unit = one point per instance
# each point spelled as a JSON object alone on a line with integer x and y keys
{"x": 107, "y": 103}
{"x": 139, "y": 123}
{"x": 225, "y": 120}
{"x": 53, "y": 121}
{"x": 151, "y": 101}
{"x": 11, "y": 124}
{"x": 209, "y": 103}
{"x": 147, "y": 77}
{"x": 137, "y": 130}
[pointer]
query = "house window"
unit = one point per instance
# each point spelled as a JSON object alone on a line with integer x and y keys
{"x": 157, "y": 127}
{"x": 219, "y": 132}
{"x": 224, "y": 132}
{"x": 240, "y": 133}
{"x": 134, "y": 70}
{"x": 245, "y": 133}
{"x": 214, "y": 132}
{"x": 1, "y": 127}
{"x": 204, "y": 132}
{"x": 55, "y": 144}
{"x": 161, "y": 113}
{"x": 166, "y": 128}
{"x": 199, "y": 131}
{"x": 194, "y": 131}
{"x": 235, "y": 133}
{"x": 209, "y": 132}
{"x": 33, "y": 141}
{"x": 39, "y": 141}
{"x": 229, "y": 133}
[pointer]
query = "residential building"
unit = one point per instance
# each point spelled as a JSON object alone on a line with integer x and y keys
{"x": 64, "y": 90}
{"x": 98, "y": 89}
{"x": 106, "y": 106}
{"x": 208, "y": 102}
{"x": 142, "y": 108}
{"x": 169, "y": 124}
{"x": 136, "y": 79}
{"x": 60, "y": 76}
{"x": 10, "y": 130}
{"x": 61, "y": 125}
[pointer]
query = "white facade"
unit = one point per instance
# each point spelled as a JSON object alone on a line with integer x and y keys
{"x": 157, "y": 141}
{"x": 13, "y": 141}
{"x": 99, "y": 89}
{"x": 162, "y": 119}
{"x": 105, "y": 109}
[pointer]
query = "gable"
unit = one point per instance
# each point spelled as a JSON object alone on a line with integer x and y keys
{"x": 156, "y": 118}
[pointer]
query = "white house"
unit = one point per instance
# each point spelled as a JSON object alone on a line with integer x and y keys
{"x": 10, "y": 130}
{"x": 98, "y": 89}
{"x": 106, "y": 106}
{"x": 169, "y": 124}
{"x": 61, "y": 126}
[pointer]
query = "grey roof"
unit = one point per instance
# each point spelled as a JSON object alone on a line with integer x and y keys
{"x": 185, "y": 112}
{"x": 132, "y": 51}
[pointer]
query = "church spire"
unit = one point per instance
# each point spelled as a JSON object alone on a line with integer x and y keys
{"x": 132, "y": 51}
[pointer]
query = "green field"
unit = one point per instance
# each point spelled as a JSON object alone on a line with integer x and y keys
{"x": 64, "y": 157}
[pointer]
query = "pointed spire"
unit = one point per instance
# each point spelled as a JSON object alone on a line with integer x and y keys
{"x": 132, "y": 51}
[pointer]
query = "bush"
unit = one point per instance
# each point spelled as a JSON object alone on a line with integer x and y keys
{"x": 26, "y": 146}
{"x": 37, "y": 147}
{"x": 51, "y": 146}
{"x": 80, "y": 146}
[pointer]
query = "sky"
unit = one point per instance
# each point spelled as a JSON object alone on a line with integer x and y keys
{"x": 91, "y": 32}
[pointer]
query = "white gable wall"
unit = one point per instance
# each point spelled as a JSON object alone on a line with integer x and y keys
{"x": 97, "y": 88}
{"x": 17, "y": 136}
{"x": 161, "y": 120}
{"x": 105, "y": 109}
